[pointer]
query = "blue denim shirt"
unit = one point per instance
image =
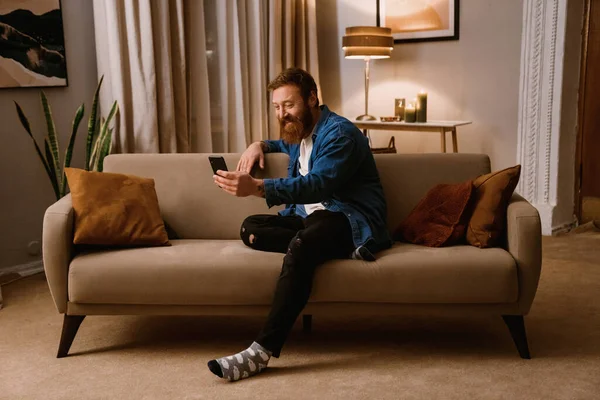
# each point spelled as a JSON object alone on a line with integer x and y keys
{"x": 342, "y": 176}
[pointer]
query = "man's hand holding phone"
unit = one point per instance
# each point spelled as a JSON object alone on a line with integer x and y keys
{"x": 238, "y": 183}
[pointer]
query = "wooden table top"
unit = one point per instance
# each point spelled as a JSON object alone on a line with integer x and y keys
{"x": 428, "y": 124}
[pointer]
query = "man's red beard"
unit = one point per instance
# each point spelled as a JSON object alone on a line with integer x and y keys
{"x": 293, "y": 129}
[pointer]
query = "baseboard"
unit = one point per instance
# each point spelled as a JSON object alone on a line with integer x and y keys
{"x": 557, "y": 230}
{"x": 21, "y": 271}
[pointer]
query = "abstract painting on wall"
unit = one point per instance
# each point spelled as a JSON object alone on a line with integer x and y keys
{"x": 32, "y": 44}
{"x": 419, "y": 20}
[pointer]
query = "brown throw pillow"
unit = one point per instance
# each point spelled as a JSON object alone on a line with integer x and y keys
{"x": 440, "y": 218}
{"x": 115, "y": 209}
{"x": 491, "y": 196}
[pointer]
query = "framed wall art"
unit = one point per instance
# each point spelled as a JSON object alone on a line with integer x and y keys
{"x": 32, "y": 44}
{"x": 419, "y": 20}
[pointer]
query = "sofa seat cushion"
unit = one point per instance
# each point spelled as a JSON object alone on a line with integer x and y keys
{"x": 409, "y": 273}
{"x": 226, "y": 272}
{"x": 189, "y": 272}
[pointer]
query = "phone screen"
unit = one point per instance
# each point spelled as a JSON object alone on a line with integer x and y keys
{"x": 217, "y": 163}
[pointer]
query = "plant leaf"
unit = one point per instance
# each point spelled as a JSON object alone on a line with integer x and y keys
{"x": 69, "y": 151}
{"x": 98, "y": 144}
{"x": 106, "y": 148}
{"x": 53, "y": 179}
{"x": 93, "y": 145}
{"x": 96, "y": 150}
{"x": 92, "y": 124}
{"x": 25, "y": 124}
{"x": 105, "y": 134}
{"x": 23, "y": 118}
{"x": 53, "y": 161}
{"x": 103, "y": 153}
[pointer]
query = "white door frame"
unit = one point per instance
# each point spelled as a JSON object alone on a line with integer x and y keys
{"x": 540, "y": 108}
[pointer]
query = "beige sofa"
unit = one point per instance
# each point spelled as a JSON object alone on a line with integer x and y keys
{"x": 207, "y": 270}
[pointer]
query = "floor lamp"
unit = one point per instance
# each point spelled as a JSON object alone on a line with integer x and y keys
{"x": 368, "y": 43}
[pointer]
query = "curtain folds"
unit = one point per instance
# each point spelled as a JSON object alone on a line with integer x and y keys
{"x": 191, "y": 75}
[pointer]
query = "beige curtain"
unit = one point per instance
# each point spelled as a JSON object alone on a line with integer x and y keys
{"x": 191, "y": 75}
{"x": 292, "y": 43}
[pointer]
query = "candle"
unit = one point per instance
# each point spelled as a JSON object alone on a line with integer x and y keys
{"x": 399, "y": 108}
{"x": 410, "y": 113}
{"x": 422, "y": 106}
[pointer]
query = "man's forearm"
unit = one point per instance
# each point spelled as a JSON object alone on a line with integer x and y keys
{"x": 272, "y": 146}
{"x": 264, "y": 147}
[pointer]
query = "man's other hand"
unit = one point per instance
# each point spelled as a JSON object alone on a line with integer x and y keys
{"x": 249, "y": 157}
{"x": 239, "y": 183}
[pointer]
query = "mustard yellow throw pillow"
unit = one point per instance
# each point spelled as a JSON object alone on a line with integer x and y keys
{"x": 492, "y": 193}
{"x": 115, "y": 209}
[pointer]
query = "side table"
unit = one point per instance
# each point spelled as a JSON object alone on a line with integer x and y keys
{"x": 430, "y": 126}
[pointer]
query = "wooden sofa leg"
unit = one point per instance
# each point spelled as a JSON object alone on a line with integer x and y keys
{"x": 306, "y": 323}
{"x": 516, "y": 326}
{"x": 70, "y": 327}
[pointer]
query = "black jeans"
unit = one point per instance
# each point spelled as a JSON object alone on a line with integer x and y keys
{"x": 307, "y": 243}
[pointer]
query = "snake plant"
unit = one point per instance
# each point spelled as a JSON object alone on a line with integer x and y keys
{"x": 98, "y": 144}
{"x": 99, "y": 137}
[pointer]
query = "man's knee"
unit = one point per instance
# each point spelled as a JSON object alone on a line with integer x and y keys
{"x": 247, "y": 234}
{"x": 297, "y": 249}
{"x": 300, "y": 260}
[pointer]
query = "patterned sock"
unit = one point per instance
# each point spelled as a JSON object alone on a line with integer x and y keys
{"x": 241, "y": 365}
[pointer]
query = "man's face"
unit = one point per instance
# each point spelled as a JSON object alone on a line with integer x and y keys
{"x": 293, "y": 113}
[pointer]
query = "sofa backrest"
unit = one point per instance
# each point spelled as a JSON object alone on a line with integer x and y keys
{"x": 195, "y": 208}
{"x": 407, "y": 177}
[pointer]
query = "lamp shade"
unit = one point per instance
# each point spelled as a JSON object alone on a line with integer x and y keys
{"x": 368, "y": 41}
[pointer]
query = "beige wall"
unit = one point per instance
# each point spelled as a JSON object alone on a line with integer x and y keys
{"x": 475, "y": 78}
{"x": 25, "y": 188}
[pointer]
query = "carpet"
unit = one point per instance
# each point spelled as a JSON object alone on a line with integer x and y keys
{"x": 590, "y": 209}
{"x": 416, "y": 357}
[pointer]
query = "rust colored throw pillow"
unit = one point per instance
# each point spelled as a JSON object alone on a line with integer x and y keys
{"x": 115, "y": 209}
{"x": 492, "y": 193}
{"x": 440, "y": 218}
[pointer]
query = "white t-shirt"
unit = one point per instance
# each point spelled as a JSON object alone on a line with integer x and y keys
{"x": 305, "y": 150}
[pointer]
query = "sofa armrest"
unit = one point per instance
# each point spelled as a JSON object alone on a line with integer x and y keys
{"x": 57, "y": 249}
{"x": 524, "y": 243}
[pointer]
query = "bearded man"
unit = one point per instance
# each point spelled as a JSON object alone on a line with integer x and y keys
{"x": 335, "y": 208}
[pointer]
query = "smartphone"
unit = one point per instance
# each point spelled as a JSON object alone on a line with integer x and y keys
{"x": 217, "y": 162}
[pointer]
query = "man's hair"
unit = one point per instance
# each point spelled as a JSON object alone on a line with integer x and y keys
{"x": 298, "y": 77}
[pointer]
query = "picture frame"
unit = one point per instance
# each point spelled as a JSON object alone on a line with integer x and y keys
{"x": 419, "y": 20}
{"x": 33, "y": 53}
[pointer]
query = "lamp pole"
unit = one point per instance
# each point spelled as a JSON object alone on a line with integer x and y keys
{"x": 366, "y": 116}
